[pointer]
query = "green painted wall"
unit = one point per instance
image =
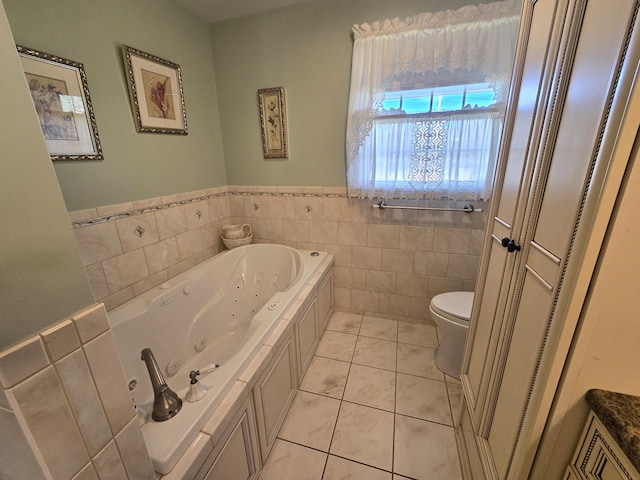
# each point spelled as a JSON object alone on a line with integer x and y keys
{"x": 42, "y": 280}
{"x": 306, "y": 49}
{"x": 136, "y": 165}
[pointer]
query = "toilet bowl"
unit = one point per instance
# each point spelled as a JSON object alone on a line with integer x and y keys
{"x": 451, "y": 312}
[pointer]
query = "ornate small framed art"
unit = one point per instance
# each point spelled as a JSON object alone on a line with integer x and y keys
{"x": 155, "y": 87}
{"x": 273, "y": 120}
{"x": 61, "y": 99}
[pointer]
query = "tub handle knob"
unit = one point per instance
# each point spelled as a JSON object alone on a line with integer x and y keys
{"x": 192, "y": 376}
{"x": 196, "y": 390}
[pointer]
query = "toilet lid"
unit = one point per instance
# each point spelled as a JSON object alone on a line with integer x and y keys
{"x": 454, "y": 304}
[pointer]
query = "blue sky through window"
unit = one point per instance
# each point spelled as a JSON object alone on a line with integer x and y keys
{"x": 440, "y": 99}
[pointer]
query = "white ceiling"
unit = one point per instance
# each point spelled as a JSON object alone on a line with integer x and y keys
{"x": 217, "y": 10}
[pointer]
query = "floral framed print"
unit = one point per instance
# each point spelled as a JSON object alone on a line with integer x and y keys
{"x": 273, "y": 119}
{"x": 155, "y": 86}
{"x": 61, "y": 99}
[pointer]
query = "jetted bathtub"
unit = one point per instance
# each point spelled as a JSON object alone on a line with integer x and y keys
{"x": 217, "y": 313}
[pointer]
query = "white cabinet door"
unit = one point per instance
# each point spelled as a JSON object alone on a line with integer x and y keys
{"x": 235, "y": 456}
{"x": 307, "y": 339}
{"x": 273, "y": 394}
{"x": 325, "y": 304}
{"x": 528, "y": 97}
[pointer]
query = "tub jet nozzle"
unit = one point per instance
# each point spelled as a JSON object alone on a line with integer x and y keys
{"x": 166, "y": 403}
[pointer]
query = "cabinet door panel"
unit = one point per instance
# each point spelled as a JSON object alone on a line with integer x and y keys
{"x": 307, "y": 339}
{"x": 273, "y": 395}
{"x": 484, "y": 338}
{"x": 232, "y": 464}
{"x": 529, "y": 98}
{"x": 325, "y": 304}
{"x": 235, "y": 455}
{"x": 601, "y": 39}
{"x": 534, "y": 308}
{"x": 512, "y": 190}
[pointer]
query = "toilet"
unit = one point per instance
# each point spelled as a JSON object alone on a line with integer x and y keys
{"x": 451, "y": 312}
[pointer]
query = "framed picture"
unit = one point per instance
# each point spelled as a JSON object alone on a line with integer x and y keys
{"x": 61, "y": 98}
{"x": 273, "y": 119}
{"x": 155, "y": 86}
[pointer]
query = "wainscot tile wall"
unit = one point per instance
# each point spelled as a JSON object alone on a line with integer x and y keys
{"x": 65, "y": 411}
{"x": 388, "y": 262}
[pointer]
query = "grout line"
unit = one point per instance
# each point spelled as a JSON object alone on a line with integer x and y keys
{"x": 395, "y": 408}
{"x": 335, "y": 425}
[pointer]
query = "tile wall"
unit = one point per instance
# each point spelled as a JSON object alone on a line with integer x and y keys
{"x": 388, "y": 262}
{"x": 65, "y": 411}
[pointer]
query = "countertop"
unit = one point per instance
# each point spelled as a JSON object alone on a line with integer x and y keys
{"x": 620, "y": 414}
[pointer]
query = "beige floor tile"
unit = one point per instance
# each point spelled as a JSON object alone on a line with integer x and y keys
{"x": 336, "y": 345}
{"x": 454, "y": 390}
{"x": 381, "y": 328}
{"x": 342, "y": 469}
{"x": 417, "y": 360}
{"x": 422, "y": 398}
{"x": 375, "y": 353}
{"x": 417, "y": 334}
{"x": 311, "y": 420}
{"x": 288, "y": 460}
{"x": 326, "y": 377}
{"x": 371, "y": 386}
{"x": 425, "y": 450}
{"x": 364, "y": 435}
{"x": 345, "y": 322}
{"x": 369, "y": 441}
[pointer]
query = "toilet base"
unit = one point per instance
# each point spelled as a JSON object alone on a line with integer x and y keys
{"x": 449, "y": 353}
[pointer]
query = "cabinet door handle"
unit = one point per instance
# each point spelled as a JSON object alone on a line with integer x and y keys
{"x": 512, "y": 247}
{"x": 510, "y": 244}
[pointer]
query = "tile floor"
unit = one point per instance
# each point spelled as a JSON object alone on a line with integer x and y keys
{"x": 372, "y": 406}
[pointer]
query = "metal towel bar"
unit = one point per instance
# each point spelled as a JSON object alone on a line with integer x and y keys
{"x": 467, "y": 208}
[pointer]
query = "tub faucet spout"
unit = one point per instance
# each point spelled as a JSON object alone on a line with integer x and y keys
{"x": 166, "y": 404}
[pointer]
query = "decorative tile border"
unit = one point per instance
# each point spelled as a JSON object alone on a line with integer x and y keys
{"x": 262, "y": 193}
{"x": 132, "y": 213}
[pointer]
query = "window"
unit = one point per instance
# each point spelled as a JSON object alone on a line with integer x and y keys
{"x": 429, "y": 117}
{"x": 426, "y": 104}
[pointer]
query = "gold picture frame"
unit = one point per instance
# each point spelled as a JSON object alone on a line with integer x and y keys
{"x": 60, "y": 95}
{"x": 155, "y": 88}
{"x": 273, "y": 120}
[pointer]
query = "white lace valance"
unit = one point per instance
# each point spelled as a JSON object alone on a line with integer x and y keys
{"x": 442, "y": 19}
{"x": 473, "y": 38}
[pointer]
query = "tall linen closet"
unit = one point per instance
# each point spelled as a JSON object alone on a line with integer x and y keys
{"x": 574, "y": 73}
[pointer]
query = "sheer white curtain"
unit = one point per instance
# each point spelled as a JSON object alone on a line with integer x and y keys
{"x": 425, "y": 51}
